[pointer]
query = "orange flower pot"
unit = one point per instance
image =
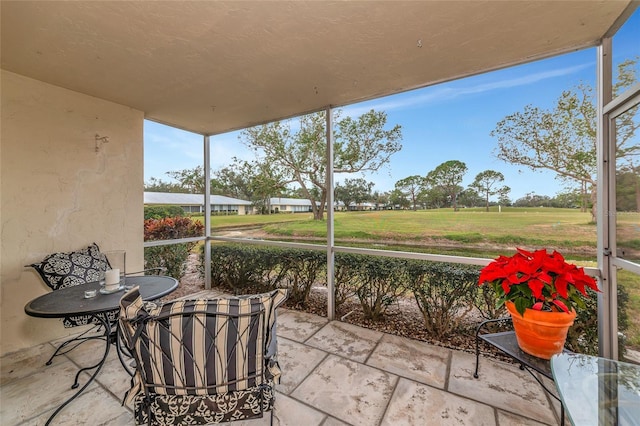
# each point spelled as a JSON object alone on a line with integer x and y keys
{"x": 541, "y": 333}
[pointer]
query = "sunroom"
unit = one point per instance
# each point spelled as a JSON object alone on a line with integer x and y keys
{"x": 80, "y": 78}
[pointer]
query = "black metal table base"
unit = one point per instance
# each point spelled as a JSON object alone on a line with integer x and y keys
{"x": 506, "y": 343}
{"x": 71, "y": 344}
{"x": 97, "y": 367}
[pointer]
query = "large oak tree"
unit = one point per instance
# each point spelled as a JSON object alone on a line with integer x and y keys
{"x": 563, "y": 139}
{"x": 361, "y": 144}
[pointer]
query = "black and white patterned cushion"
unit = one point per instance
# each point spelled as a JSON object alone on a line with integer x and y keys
{"x": 60, "y": 270}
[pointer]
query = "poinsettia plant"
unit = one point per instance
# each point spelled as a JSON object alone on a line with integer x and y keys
{"x": 538, "y": 280}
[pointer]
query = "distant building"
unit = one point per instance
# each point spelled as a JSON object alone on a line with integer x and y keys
{"x": 194, "y": 203}
{"x": 359, "y": 207}
{"x": 290, "y": 205}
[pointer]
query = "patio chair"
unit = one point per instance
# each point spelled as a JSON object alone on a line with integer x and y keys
{"x": 202, "y": 361}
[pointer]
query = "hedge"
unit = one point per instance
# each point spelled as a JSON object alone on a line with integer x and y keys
{"x": 160, "y": 212}
{"x": 446, "y": 294}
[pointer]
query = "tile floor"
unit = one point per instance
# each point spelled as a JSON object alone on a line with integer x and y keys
{"x": 334, "y": 374}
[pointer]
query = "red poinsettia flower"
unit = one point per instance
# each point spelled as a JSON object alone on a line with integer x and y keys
{"x": 538, "y": 280}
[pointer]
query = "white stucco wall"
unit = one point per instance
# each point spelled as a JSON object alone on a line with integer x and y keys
{"x": 59, "y": 194}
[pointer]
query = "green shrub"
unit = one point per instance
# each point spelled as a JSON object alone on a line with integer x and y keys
{"x": 250, "y": 269}
{"x": 173, "y": 257}
{"x": 246, "y": 269}
{"x": 161, "y": 212}
{"x": 303, "y": 269}
{"x": 583, "y": 334}
{"x": 274, "y": 270}
{"x": 378, "y": 282}
{"x": 243, "y": 269}
{"x": 346, "y": 278}
{"x": 443, "y": 292}
{"x": 486, "y": 302}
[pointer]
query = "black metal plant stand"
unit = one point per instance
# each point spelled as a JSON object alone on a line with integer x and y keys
{"x": 506, "y": 342}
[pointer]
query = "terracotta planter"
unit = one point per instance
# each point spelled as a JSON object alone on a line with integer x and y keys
{"x": 541, "y": 333}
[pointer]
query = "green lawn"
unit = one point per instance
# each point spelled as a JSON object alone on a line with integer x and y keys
{"x": 525, "y": 227}
{"x": 225, "y": 221}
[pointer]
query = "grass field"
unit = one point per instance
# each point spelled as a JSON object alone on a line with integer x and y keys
{"x": 468, "y": 232}
{"x": 567, "y": 228}
{"x": 472, "y": 225}
{"x": 225, "y": 221}
{"x": 563, "y": 228}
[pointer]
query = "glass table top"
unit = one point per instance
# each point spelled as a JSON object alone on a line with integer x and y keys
{"x": 597, "y": 391}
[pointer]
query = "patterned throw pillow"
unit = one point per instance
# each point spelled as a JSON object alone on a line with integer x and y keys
{"x": 60, "y": 270}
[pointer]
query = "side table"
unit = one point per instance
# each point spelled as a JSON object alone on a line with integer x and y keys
{"x": 506, "y": 343}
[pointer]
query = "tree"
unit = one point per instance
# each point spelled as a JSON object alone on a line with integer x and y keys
{"x": 486, "y": 184}
{"x": 191, "y": 180}
{"x": 504, "y": 200}
{"x": 533, "y": 200}
{"x": 470, "y": 198}
{"x": 353, "y": 191}
{"x": 380, "y": 199}
{"x": 567, "y": 199}
{"x": 252, "y": 181}
{"x": 411, "y": 187}
{"x": 448, "y": 177}
{"x": 360, "y": 145}
{"x": 563, "y": 139}
{"x": 434, "y": 197}
{"x": 158, "y": 185}
{"x": 233, "y": 182}
{"x": 628, "y": 189}
{"x": 398, "y": 199}
{"x": 266, "y": 182}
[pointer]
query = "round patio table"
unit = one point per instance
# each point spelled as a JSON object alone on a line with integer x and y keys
{"x": 72, "y": 301}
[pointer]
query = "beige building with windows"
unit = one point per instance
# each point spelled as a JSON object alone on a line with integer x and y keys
{"x": 194, "y": 203}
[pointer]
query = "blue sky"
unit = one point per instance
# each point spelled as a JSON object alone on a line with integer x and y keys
{"x": 450, "y": 121}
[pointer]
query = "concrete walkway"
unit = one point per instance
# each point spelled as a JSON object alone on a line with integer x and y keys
{"x": 334, "y": 374}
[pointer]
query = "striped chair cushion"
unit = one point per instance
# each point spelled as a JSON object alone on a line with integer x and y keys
{"x": 203, "y": 346}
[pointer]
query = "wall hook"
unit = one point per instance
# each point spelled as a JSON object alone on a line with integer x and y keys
{"x": 101, "y": 140}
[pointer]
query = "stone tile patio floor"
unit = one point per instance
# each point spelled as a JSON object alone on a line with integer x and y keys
{"x": 334, "y": 373}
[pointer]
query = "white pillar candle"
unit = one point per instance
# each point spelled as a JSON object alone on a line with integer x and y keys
{"x": 112, "y": 277}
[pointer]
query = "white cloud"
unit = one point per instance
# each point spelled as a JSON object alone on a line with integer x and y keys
{"x": 448, "y": 91}
{"x": 225, "y": 147}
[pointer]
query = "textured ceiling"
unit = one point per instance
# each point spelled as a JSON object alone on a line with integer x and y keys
{"x": 211, "y": 67}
